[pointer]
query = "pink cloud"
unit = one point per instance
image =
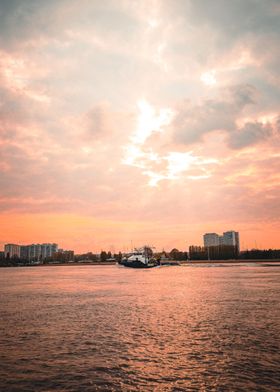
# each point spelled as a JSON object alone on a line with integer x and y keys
{"x": 70, "y": 140}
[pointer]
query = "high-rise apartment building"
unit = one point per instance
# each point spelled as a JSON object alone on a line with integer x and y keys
{"x": 24, "y": 252}
{"x": 231, "y": 238}
{"x": 37, "y": 252}
{"x": 211, "y": 239}
{"x": 34, "y": 251}
{"x": 47, "y": 250}
{"x": 12, "y": 250}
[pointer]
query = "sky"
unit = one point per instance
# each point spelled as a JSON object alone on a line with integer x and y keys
{"x": 125, "y": 123}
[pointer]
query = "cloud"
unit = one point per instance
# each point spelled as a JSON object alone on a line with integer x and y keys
{"x": 25, "y": 21}
{"x": 250, "y": 134}
{"x": 100, "y": 100}
{"x": 194, "y": 121}
{"x": 238, "y": 18}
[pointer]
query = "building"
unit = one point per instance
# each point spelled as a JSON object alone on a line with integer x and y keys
{"x": 34, "y": 252}
{"x": 231, "y": 238}
{"x": 12, "y": 251}
{"x": 211, "y": 239}
{"x": 24, "y": 252}
{"x": 38, "y": 252}
{"x": 219, "y": 247}
{"x": 47, "y": 250}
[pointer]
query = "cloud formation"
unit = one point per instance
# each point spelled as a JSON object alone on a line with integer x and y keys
{"x": 140, "y": 115}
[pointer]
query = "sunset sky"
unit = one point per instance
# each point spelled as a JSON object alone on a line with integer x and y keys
{"x": 139, "y": 122}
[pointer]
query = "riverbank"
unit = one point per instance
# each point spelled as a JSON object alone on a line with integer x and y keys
{"x": 241, "y": 261}
{"x": 182, "y": 262}
{"x": 61, "y": 264}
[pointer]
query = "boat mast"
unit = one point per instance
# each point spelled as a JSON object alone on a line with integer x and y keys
{"x": 145, "y": 255}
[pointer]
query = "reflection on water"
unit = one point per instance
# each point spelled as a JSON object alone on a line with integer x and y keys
{"x": 110, "y": 328}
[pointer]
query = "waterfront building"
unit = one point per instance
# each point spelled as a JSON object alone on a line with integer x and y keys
{"x": 47, "y": 250}
{"x": 24, "y": 252}
{"x": 34, "y": 252}
{"x": 218, "y": 247}
{"x": 38, "y": 252}
{"x": 12, "y": 250}
{"x": 231, "y": 238}
{"x": 211, "y": 239}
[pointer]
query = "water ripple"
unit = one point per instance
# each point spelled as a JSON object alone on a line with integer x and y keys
{"x": 169, "y": 329}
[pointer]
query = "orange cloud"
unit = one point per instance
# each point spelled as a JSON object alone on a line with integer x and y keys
{"x": 78, "y": 154}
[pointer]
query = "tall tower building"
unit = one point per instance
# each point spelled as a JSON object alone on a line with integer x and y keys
{"x": 211, "y": 239}
{"x": 231, "y": 238}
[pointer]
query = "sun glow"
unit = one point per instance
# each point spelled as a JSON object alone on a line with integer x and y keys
{"x": 149, "y": 121}
{"x": 178, "y": 162}
{"x": 169, "y": 166}
{"x": 209, "y": 78}
{"x": 133, "y": 156}
{"x": 153, "y": 23}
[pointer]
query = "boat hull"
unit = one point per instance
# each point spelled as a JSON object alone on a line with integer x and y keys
{"x": 138, "y": 264}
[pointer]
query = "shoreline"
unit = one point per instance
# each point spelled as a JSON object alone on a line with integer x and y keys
{"x": 252, "y": 261}
{"x": 59, "y": 264}
{"x": 182, "y": 262}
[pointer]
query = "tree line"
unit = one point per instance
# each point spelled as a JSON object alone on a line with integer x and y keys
{"x": 195, "y": 253}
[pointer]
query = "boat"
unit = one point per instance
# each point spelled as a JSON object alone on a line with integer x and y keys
{"x": 140, "y": 258}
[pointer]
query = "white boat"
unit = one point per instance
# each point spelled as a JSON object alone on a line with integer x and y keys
{"x": 140, "y": 258}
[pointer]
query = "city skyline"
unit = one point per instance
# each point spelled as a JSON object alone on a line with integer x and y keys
{"x": 183, "y": 244}
{"x": 228, "y": 238}
{"x": 132, "y": 122}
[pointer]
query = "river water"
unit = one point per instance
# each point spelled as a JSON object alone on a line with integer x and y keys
{"x": 110, "y": 328}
